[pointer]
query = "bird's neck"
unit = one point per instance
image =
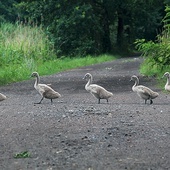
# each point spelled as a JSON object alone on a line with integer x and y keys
{"x": 89, "y": 82}
{"x": 136, "y": 83}
{"x": 37, "y": 80}
{"x": 168, "y": 81}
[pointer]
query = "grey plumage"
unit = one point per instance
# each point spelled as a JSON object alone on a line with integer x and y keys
{"x": 96, "y": 90}
{"x": 167, "y": 85}
{"x": 2, "y": 97}
{"x": 44, "y": 90}
{"x": 143, "y": 91}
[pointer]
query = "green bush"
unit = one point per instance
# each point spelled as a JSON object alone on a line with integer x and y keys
{"x": 156, "y": 54}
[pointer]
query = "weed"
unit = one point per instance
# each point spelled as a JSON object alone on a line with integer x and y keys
{"x": 24, "y": 154}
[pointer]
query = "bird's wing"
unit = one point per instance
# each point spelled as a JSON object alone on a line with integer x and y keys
{"x": 144, "y": 91}
{"x": 94, "y": 88}
{"x": 100, "y": 91}
{"x": 44, "y": 88}
{"x": 48, "y": 92}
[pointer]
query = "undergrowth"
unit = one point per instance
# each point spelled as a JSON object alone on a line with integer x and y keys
{"x": 25, "y": 48}
{"x": 157, "y": 53}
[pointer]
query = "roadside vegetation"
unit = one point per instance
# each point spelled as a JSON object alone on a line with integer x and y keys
{"x": 24, "y": 49}
{"x": 156, "y": 53}
{"x": 53, "y": 36}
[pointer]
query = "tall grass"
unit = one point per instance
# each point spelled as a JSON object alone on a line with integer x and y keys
{"x": 24, "y": 49}
{"x": 21, "y": 46}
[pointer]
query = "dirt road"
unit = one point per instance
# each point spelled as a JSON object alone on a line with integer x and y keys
{"x": 76, "y": 133}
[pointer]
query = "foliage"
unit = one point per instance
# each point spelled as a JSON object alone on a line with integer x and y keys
{"x": 157, "y": 53}
{"x": 8, "y": 11}
{"x": 22, "y": 71}
{"x": 24, "y": 49}
{"x": 94, "y": 27}
{"x": 21, "y": 48}
{"x": 70, "y": 25}
{"x": 88, "y": 27}
{"x": 73, "y": 37}
{"x": 24, "y": 154}
{"x": 20, "y": 42}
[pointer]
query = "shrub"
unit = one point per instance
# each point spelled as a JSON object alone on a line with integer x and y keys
{"x": 156, "y": 54}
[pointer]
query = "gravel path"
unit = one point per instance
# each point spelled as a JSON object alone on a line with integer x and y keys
{"x": 76, "y": 133}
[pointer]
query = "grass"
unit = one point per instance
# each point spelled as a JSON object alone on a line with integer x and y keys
{"x": 19, "y": 72}
{"x": 25, "y": 48}
{"x": 24, "y": 154}
{"x": 59, "y": 65}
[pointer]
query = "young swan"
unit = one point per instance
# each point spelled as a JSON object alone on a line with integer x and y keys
{"x": 2, "y": 97}
{"x": 96, "y": 90}
{"x": 167, "y": 85}
{"x": 44, "y": 90}
{"x": 143, "y": 91}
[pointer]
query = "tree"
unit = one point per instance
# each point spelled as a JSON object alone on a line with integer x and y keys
{"x": 157, "y": 54}
{"x": 90, "y": 27}
{"x": 137, "y": 19}
{"x": 7, "y": 10}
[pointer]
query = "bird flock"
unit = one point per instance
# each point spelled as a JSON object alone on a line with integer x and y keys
{"x": 97, "y": 91}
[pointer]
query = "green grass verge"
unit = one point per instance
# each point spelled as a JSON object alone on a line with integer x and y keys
{"x": 22, "y": 71}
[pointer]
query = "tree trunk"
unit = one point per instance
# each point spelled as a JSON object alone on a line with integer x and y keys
{"x": 120, "y": 31}
{"x": 106, "y": 42}
{"x": 104, "y": 38}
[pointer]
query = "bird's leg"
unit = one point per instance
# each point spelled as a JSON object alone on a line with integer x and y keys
{"x": 40, "y": 101}
{"x": 99, "y": 101}
{"x": 51, "y": 101}
{"x": 145, "y": 101}
{"x": 151, "y": 101}
{"x": 107, "y": 100}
